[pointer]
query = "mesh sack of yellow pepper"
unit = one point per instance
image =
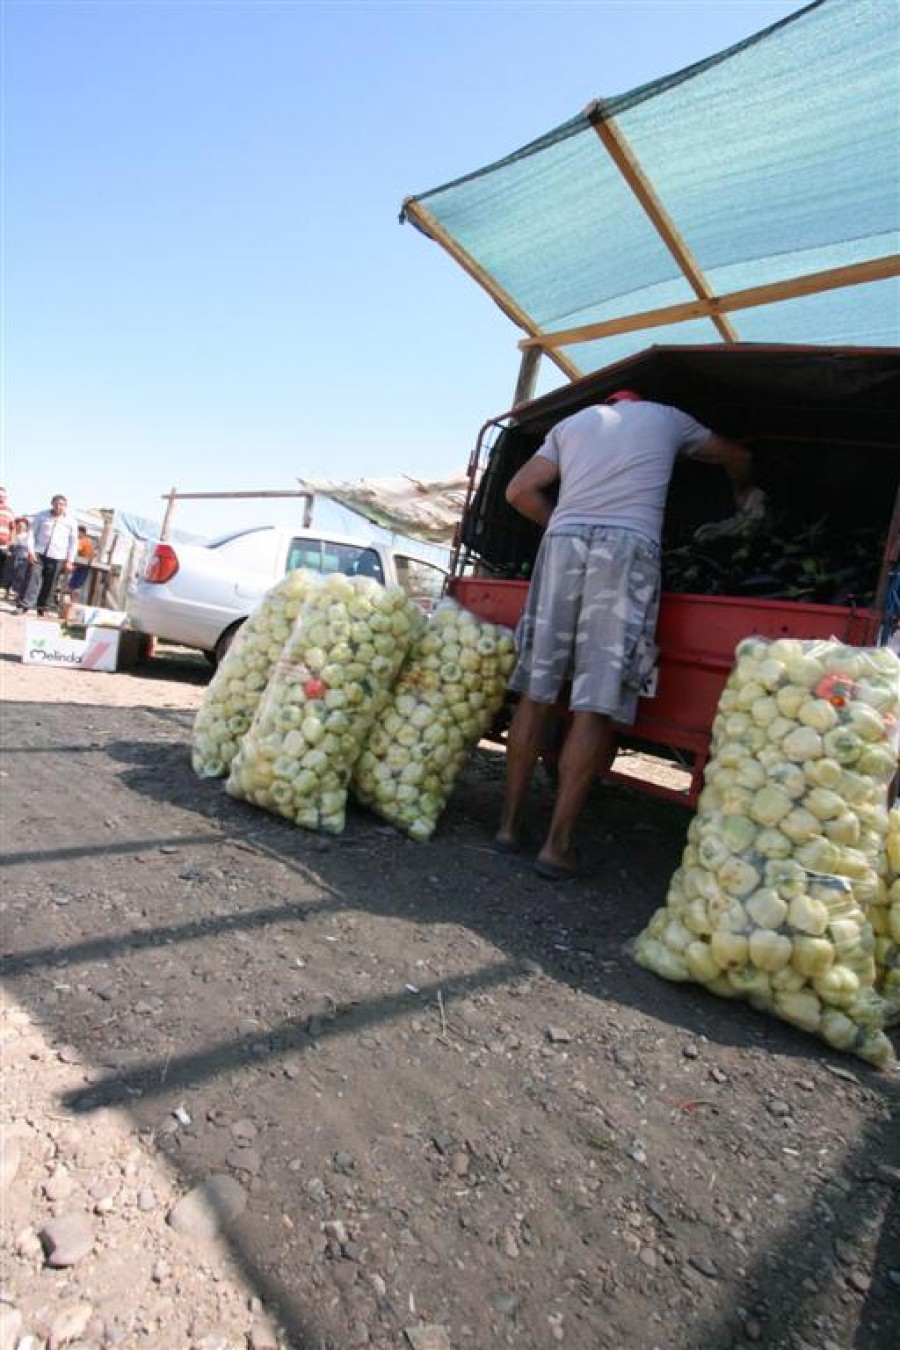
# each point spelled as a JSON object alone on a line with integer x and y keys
{"x": 331, "y": 680}
{"x": 448, "y": 692}
{"x": 235, "y": 690}
{"x": 785, "y": 856}
{"x": 885, "y": 916}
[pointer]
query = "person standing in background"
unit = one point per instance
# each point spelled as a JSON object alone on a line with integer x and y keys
{"x": 53, "y": 543}
{"x": 85, "y": 555}
{"x": 7, "y": 529}
{"x": 18, "y": 568}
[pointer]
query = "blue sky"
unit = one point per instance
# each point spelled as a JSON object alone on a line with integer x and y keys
{"x": 205, "y": 284}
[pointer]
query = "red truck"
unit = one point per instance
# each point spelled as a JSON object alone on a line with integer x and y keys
{"x": 823, "y": 427}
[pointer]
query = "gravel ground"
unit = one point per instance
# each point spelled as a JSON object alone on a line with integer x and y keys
{"x": 271, "y": 1090}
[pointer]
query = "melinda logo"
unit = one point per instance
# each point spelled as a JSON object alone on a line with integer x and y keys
{"x": 41, "y": 652}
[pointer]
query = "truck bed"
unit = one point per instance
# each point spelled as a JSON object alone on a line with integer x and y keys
{"x": 822, "y": 425}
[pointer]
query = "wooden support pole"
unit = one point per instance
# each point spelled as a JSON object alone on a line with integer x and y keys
{"x": 174, "y": 495}
{"x": 227, "y": 496}
{"x": 98, "y": 581}
{"x": 854, "y": 274}
{"x": 167, "y": 518}
{"x": 528, "y": 373}
{"x": 625, "y": 161}
{"x": 104, "y": 545}
{"x": 430, "y": 226}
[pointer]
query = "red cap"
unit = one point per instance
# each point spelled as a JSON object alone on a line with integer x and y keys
{"x": 625, "y": 396}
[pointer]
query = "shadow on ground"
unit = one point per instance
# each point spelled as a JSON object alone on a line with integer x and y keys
{"x": 575, "y": 934}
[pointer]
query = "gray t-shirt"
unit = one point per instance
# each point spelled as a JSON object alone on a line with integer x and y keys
{"x": 615, "y": 462}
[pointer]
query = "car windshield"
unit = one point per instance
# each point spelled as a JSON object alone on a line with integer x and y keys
{"x": 326, "y": 555}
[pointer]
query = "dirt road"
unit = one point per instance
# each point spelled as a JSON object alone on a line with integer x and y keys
{"x": 267, "y": 1089}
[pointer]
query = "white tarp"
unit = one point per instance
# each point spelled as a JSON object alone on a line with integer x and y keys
{"x": 410, "y": 506}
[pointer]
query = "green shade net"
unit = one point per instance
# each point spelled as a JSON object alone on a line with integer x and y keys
{"x": 774, "y": 159}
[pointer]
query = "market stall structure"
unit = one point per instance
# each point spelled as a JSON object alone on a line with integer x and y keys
{"x": 743, "y": 212}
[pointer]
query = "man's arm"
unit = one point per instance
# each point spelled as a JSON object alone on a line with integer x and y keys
{"x": 735, "y": 459}
{"x": 750, "y": 500}
{"x": 527, "y": 489}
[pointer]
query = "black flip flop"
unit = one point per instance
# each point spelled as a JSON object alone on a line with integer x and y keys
{"x": 551, "y": 871}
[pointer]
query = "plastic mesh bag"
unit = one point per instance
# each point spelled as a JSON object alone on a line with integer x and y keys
{"x": 331, "y": 680}
{"x": 784, "y": 857}
{"x": 448, "y": 693}
{"x": 885, "y": 916}
{"x": 235, "y": 690}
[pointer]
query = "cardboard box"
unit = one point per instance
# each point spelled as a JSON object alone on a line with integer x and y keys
{"x": 94, "y": 616}
{"x": 47, "y": 645}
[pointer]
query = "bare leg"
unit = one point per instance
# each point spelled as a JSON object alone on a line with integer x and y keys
{"x": 523, "y": 746}
{"x": 588, "y": 751}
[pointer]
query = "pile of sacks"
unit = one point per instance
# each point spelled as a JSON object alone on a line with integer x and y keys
{"x": 787, "y": 891}
{"x": 338, "y": 684}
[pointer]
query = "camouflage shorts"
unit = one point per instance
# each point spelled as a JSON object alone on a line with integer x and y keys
{"x": 590, "y": 618}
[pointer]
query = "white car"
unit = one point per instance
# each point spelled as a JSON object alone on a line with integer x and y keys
{"x": 198, "y": 595}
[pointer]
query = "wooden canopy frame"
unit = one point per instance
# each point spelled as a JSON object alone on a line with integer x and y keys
{"x": 429, "y": 225}
{"x": 170, "y": 498}
{"x": 707, "y": 305}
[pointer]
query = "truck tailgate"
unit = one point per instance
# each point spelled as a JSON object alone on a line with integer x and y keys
{"x": 697, "y": 636}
